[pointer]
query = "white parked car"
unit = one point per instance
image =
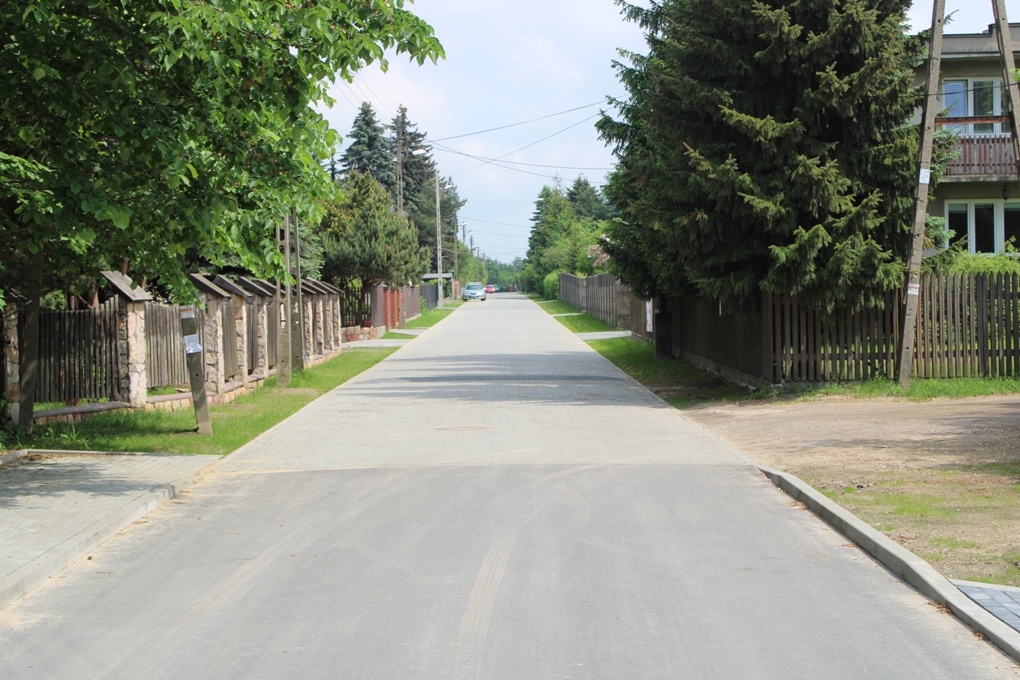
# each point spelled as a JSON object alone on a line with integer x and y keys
{"x": 473, "y": 291}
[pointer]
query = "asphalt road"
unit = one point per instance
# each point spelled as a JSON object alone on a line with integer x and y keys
{"x": 493, "y": 501}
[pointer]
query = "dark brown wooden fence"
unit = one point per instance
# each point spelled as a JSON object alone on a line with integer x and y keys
{"x": 967, "y": 326}
{"x": 78, "y": 355}
{"x": 801, "y": 346}
{"x": 355, "y": 307}
{"x": 231, "y": 363}
{"x": 165, "y": 362}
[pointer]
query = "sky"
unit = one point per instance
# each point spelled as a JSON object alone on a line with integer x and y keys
{"x": 543, "y": 68}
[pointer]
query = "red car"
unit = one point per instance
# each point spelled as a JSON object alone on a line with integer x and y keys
{"x": 490, "y": 288}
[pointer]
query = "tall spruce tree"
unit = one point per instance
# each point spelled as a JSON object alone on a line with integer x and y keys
{"x": 587, "y": 201}
{"x": 370, "y": 151}
{"x": 363, "y": 239}
{"x": 414, "y": 156}
{"x": 764, "y": 146}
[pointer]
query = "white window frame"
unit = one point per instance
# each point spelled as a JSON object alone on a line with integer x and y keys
{"x": 969, "y": 90}
{"x": 999, "y": 208}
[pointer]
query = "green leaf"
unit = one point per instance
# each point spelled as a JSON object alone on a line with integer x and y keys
{"x": 121, "y": 218}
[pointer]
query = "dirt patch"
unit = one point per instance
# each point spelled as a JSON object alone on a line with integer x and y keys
{"x": 942, "y": 478}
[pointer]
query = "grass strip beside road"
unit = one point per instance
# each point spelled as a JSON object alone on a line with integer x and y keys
{"x": 234, "y": 424}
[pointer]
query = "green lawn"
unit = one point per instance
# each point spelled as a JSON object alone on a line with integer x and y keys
{"x": 919, "y": 390}
{"x": 233, "y": 424}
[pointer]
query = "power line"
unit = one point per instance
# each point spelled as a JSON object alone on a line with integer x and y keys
{"x": 504, "y": 127}
{"x": 377, "y": 97}
{"x": 495, "y": 233}
{"x": 504, "y": 224}
{"x": 496, "y": 161}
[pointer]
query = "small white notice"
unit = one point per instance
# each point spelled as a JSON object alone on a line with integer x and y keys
{"x": 191, "y": 344}
{"x": 913, "y": 289}
{"x": 925, "y": 177}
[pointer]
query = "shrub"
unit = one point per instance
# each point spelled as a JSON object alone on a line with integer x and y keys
{"x": 551, "y": 286}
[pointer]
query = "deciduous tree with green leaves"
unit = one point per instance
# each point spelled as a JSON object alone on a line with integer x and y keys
{"x": 765, "y": 146}
{"x": 134, "y": 133}
{"x": 566, "y": 225}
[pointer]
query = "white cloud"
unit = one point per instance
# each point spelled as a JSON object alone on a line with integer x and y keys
{"x": 538, "y": 59}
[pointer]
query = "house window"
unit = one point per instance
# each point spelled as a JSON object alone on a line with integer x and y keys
{"x": 986, "y": 225}
{"x": 958, "y": 220}
{"x": 954, "y": 101}
{"x": 984, "y": 228}
{"x": 1011, "y": 224}
{"x": 975, "y": 97}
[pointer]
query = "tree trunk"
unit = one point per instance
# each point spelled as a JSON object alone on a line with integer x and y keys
{"x": 30, "y": 342}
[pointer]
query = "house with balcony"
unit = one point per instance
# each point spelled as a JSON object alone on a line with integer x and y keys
{"x": 979, "y": 194}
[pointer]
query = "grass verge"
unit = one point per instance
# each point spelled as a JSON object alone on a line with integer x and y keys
{"x": 678, "y": 382}
{"x": 233, "y": 424}
{"x": 962, "y": 521}
{"x": 430, "y": 317}
{"x": 919, "y": 390}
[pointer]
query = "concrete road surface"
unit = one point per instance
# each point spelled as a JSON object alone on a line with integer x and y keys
{"x": 493, "y": 501}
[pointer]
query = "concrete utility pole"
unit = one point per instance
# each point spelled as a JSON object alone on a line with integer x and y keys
{"x": 909, "y": 316}
{"x": 400, "y": 173}
{"x": 196, "y": 368}
{"x": 286, "y": 309}
{"x": 439, "y": 246}
{"x": 297, "y": 347}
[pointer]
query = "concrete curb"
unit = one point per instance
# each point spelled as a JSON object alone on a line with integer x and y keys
{"x": 24, "y": 580}
{"x": 901, "y": 562}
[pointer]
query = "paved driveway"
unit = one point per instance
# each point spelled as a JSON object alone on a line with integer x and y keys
{"x": 493, "y": 501}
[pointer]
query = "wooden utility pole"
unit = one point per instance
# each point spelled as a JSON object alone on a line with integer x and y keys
{"x": 1005, "y": 43}
{"x": 1008, "y": 78}
{"x": 928, "y": 110}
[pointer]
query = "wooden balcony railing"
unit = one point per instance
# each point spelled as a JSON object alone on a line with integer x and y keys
{"x": 981, "y": 155}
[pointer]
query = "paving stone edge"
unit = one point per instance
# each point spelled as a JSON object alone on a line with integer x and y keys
{"x": 900, "y": 561}
{"x": 24, "y": 580}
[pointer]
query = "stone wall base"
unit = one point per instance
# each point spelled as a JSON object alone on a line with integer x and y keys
{"x": 356, "y": 333}
{"x": 165, "y": 402}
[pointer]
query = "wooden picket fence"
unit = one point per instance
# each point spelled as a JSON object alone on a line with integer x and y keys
{"x": 78, "y": 354}
{"x": 967, "y": 326}
{"x": 165, "y": 362}
{"x": 601, "y": 295}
